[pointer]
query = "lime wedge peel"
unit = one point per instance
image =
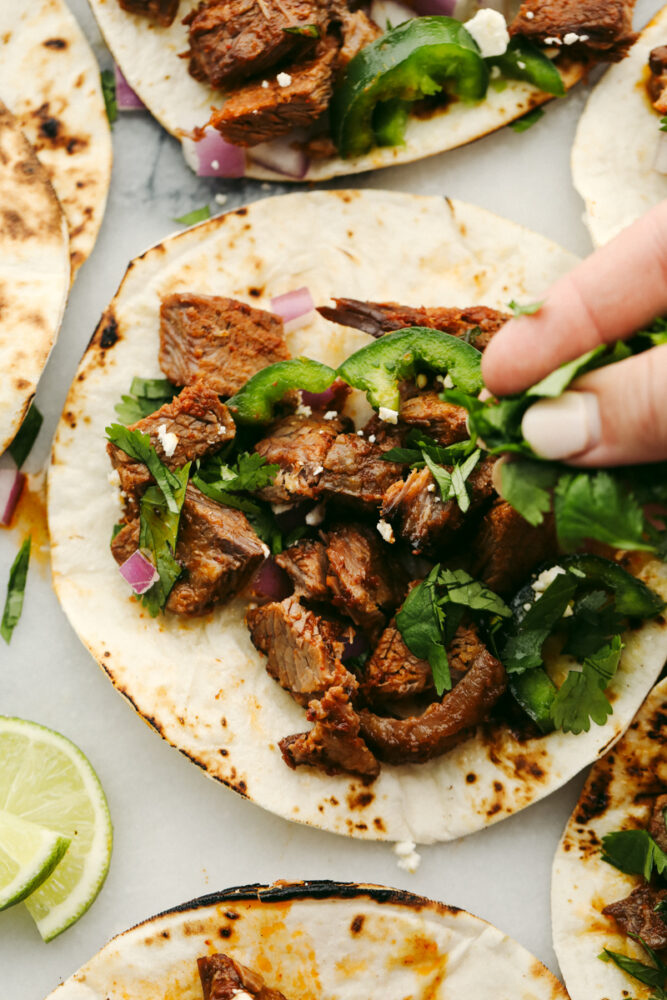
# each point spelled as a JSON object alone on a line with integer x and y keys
{"x": 47, "y": 780}
{"x": 28, "y": 855}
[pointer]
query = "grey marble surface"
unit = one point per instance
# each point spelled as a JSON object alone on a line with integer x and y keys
{"x": 177, "y": 834}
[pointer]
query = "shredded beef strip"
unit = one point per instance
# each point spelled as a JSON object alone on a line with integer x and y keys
{"x": 303, "y": 649}
{"x": 223, "y": 979}
{"x": 220, "y": 340}
{"x": 478, "y": 324}
{"x": 636, "y": 915}
{"x": 657, "y": 81}
{"x": 358, "y": 30}
{"x": 334, "y": 743}
{"x": 216, "y": 546}
{"x": 254, "y": 113}
{"x": 355, "y": 473}
{"x": 365, "y": 581}
{"x": 506, "y": 548}
{"x": 199, "y": 420}
{"x": 443, "y": 421}
{"x": 656, "y": 826}
{"x": 299, "y": 445}
{"x": 306, "y": 565}
{"x": 233, "y": 40}
{"x": 444, "y": 723}
{"x": 161, "y": 11}
{"x": 606, "y": 25}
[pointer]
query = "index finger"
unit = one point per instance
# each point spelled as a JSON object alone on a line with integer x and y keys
{"x": 610, "y": 295}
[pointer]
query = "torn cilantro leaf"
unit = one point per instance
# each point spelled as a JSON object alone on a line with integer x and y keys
{"x": 18, "y": 575}
{"x": 158, "y": 533}
{"x": 595, "y": 505}
{"x": 146, "y": 396}
{"x": 251, "y": 472}
{"x": 634, "y": 852}
{"x": 529, "y": 309}
{"x": 557, "y": 381}
{"x": 581, "y": 696}
{"x": 460, "y": 588}
{"x": 197, "y": 215}
{"x": 109, "y": 94}
{"x": 22, "y": 444}
{"x": 526, "y": 485}
{"x": 653, "y": 976}
{"x": 528, "y": 120}
{"x": 138, "y": 446}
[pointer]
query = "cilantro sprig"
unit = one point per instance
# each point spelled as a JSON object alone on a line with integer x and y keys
{"x": 581, "y": 697}
{"x": 138, "y": 445}
{"x": 18, "y": 575}
{"x": 158, "y": 533}
{"x": 654, "y": 975}
{"x": 634, "y": 852}
{"x": 461, "y": 457}
{"x": 145, "y": 397}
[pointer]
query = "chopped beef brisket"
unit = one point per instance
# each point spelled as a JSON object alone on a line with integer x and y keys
{"x": 220, "y": 340}
{"x": 365, "y": 581}
{"x": 636, "y": 915}
{"x": 598, "y": 28}
{"x": 217, "y": 548}
{"x": 476, "y": 324}
{"x": 333, "y": 744}
{"x": 200, "y": 423}
{"x": 657, "y": 81}
{"x": 358, "y": 31}
{"x": 656, "y": 827}
{"x": 161, "y": 11}
{"x": 444, "y": 723}
{"x": 233, "y": 40}
{"x": 224, "y": 979}
{"x": 393, "y": 672}
{"x": 506, "y": 548}
{"x": 303, "y": 649}
{"x": 355, "y": 472}
{"x": 299, "y": 445}
{"x": 306, "y": 565}
{"x": 443, "y": 421}
{"x": 256, "y": 113}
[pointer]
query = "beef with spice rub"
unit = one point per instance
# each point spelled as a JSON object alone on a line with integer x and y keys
{"x": 306, "y": 565}
{"x": 355, "y": 472}
{"x": 657, "y": 81}
{"x": 299, "y": 444}
{"x": 224, "y": 979}
{"x": 506, "y": 548}
{"x": 584, "y": 28}
{"x": 162, "y": 12}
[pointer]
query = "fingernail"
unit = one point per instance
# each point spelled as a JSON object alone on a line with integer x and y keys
{"x": 563, "y": 427}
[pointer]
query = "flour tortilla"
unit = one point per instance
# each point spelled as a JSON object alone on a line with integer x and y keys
{"x": 149, "y": 57}
{"x": 34, "y": 273}
{"x": 50, "y": 80}
{"x": 201, "y": 683}
{"x": 616, "y": 796}
{"x": 616, "y": 141}
{"x": 313, "y": 940}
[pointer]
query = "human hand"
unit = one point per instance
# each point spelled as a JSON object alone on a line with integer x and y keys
{"x": 616, "y": 415}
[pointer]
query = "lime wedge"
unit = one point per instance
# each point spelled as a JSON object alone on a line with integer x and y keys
{"x": 46, "y": 780}
{"x": 28, "y": 855}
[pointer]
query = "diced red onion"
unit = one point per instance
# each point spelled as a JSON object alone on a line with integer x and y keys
{"x": 217, "y": 158}
{"x": 281, "y": 156}
{"x": 139, "y": 572}
{"x": 270, "y": 582}
{"x": 355, "y": 646}
{"x": 126, "y": 99}
{"x": 11, "y": 484}
{"x": 293, "y": 305}
{"x": 435, "y": 6}
{"x": 660, "y": 159}
{"x": 336, "y": 394}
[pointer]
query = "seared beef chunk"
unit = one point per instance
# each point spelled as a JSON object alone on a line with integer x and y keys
{"x": 444, "y": 723}
{"x": 602, "y": 28}
{"x": 365, "y": 581}
{"x": 233, "y": 40}
{"x": 656, "y": 826}
{"x": 636, "y": 915}
{"x": 303, "y": 649}
{"x": 220, "y": 340}
{"x": 477, "y": 323}
{"x": 299, "y": 445}
{"x": 506, "y": 548}
{"x": 162, "y": 11}
{"x": 201, "y": 424}
{"x": 224, "y": 979}
{"x": 442, "y": 421}
{"x": 306, "y": 565}
{"x": 333, "y": 744}
{"x": 356, "y": 473}
{"x": 393, "y": 672}
{"x": 657, "y": 81}
{"x": 216, "y": 546}
{"x": 255, "y": 113}
{"x": 358, "y": 31}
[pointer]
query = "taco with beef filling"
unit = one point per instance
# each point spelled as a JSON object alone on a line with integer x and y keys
{"x": 292, "y": 941}
{"x": 308, "y": 90}
{"x": 292, "y": 556}
{"x": 609, "y": 886}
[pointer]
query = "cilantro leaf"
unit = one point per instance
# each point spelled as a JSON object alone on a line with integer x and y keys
{"x": 557, "y": 382}
{"x": 420, "y": 623}
{"x": 529, "y": 309}
{"x": 15, "y": 591}
{"x": 581, "y": 697}
{"x": 646, "y": 974}
{"x": 528, "y": 120}
{"x": 459, "y": 475}
{"x": 634, "y": 852}
{"x": 442, "y": 477}
{"x": 595, "y": 505}
{"x": 22, "y": 444}
{"x": 195, "y": 216}
{"x": 158, "y": 532}
{"x": 594, "y": 620}
{"x": 250, "y": 473}
{"x": 109, "y": 94}
{"x": 146, "y": 396}
{"x": 461, "y": 588}
{"x": 138, "y": 446}
{"x": 525, "y": 485}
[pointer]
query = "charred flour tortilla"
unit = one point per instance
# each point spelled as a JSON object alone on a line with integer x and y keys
{"x": 150, "y": 57}
{"x": 618, "y": 795}
{"x": 201, "y": 683}
{"x": 34, "y": 273}
{"x": 50, "y": 80}
{"x": 316, "y": 940}
{"x": 616, "y": 142}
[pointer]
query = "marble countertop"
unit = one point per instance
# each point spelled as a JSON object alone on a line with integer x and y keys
{"x": 178, "y": 834}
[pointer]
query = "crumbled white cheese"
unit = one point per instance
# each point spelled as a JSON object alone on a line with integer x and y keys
{"x": 571, "y": 37}
{"x": 421, "y": 381}
{"x": 448, "y": 382}
{"x": 266, "y": 550}
{"x": 168, "y": 440}
{"x": 569, "y": 611}
{"x": 530, "y": 15}
{"x": 388, "y": 415}
{"x": 553, "y": 41}
{"x": 430, "y": 488}
{"x": 318, "y": 469}
{"x": 386, "y": 531}
{"x": 221, "y": 199}
{"x": 546, "y": 578}
{"x": 495, "y": 73}
{"x": 284, "y": 79}
{"x": 371, "y": 438}
{"x": 520, "y": 64}
{"x": 265, "y": 84}
{"x": 408, "y": 858}
{"x": 489, "y": 29}
{"x": 280, "y": 508}
{"x": 316, "y": 515}
{"x": 331, "y": 414}
{"x": 215, "y": 164}
{"x": 114, "y": 478}
{"x": 527, "y": 607}
{"x": 241, "y": 995}
{"x": 303, "y": 410}
{"x": 360, "y": 434}
{"x": 255, "y": 111}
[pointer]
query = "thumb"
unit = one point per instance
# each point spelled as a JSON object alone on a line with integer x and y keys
{"x": 616, "y": 415}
